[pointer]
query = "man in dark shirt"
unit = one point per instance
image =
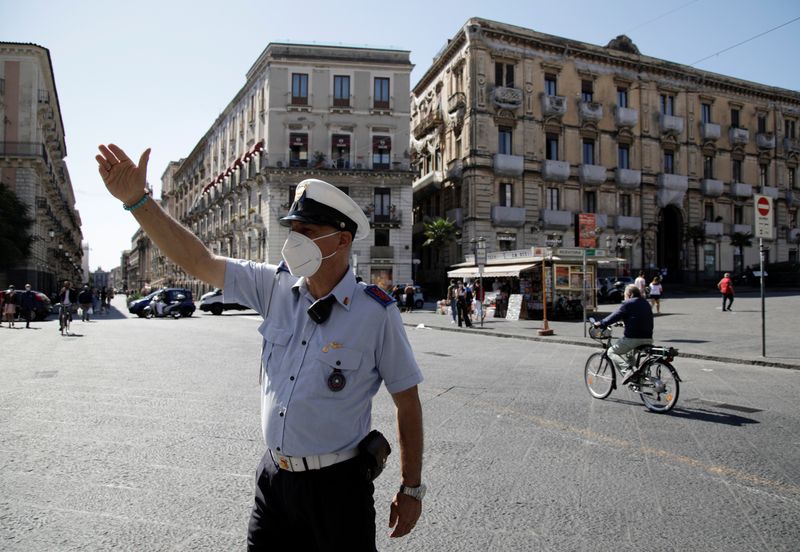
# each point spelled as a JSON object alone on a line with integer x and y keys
{"x": 637, "y": 315}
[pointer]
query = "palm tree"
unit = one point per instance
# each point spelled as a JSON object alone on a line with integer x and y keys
{"x": 439, "y": 233}
{"x": 741, "y": 240}
{"x": 697, "y": 235}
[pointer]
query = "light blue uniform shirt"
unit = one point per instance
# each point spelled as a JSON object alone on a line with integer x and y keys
{"x": 300, "y": 414}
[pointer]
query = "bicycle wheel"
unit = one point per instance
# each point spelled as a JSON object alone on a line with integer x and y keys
{"x": 659, "y": 386}
{"x": 598, "y": 374}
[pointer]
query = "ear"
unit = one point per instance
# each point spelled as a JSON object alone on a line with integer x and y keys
{"x": 345, "y": 239}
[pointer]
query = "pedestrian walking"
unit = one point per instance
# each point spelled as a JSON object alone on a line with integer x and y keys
{"x": 85, "y": 301}
{"x": 10, "y": 306}
{"x": 656, "y": 290}
{"x": 462, "y": 305}
{"x": 641, "y": 283}
{"x": 327, "y": 345}
{"x": 725, "y": 286}
{"x": 452, "y": 296}
{"x": 27, "y": 303}
{"x": 397, "y": 294}
{"x": 103, "y": 300}
{"x": 409, "y": 291}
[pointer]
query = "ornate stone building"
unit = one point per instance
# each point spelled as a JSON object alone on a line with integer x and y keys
{"x": 339, "y": 114}
{"x": 32, "y": 152}
{"x": 515, "y": 133}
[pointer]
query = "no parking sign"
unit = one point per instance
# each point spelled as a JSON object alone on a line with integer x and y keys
{"x": 764, "y": 218}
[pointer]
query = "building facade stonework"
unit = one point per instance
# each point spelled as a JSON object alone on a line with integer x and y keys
{"x": 515, "y": 133}
{"x": 32, "y": 165}
{"x": 339, "y": 114}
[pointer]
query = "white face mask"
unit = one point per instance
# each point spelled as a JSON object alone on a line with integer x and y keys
{"x": 302, "y": 255}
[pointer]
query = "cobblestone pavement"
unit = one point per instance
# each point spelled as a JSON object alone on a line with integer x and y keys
{"x": 137, "y": 434}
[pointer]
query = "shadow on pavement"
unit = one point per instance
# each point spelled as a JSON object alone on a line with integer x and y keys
{"x": 684, "y": 340}
{"x": 703, "y": 415}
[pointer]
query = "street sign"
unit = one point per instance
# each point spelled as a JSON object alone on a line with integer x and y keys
{"x": 569, "y": 251}
{"x": 764, "y": 219}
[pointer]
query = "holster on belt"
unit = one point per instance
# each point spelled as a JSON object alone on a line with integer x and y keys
{"x": 375, "y": 450}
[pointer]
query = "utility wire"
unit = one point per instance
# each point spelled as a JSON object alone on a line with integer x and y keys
{"x": 640, "y": 25}
{"x": 746, "y": 41}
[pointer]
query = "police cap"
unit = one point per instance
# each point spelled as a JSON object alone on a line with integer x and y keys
{"x": 317, "y": 202}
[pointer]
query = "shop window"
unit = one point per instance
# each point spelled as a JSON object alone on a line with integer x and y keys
{"x": 299, "y": 89}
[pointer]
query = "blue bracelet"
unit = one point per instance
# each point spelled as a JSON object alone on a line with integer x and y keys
{"x": 137, "y": 204}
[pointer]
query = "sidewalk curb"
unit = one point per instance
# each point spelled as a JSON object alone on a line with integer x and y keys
{"x": 563, "y": 341}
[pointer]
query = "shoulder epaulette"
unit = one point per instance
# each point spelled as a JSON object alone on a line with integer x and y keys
{"x": 379, "y": 295}
{"x": 282, "y": 267}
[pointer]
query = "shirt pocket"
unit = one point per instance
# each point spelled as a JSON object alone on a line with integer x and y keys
{"x": 337, "y": 369}
{"x": 276, "y": 342}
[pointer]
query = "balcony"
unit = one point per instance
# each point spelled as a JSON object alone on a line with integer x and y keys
{"x": 671, "y": 189}
{"x": 590, "y": 111}
{"x": 742, "y": 229}
{"x": 428, "y": 122}
{"x": 671, "y": 124}
{"x": 555, "y": 171}
{"x": 507, "y": 98}
{"x": 628, "y": 179}
{"x": 765, "y": 140}
{"x": 791, "y": 145}
{"x": 456, "y": 216}
{"x": 626, "y": 116}
{"x": 740, "y": 190}
{"x": 739, "y": 136}
{"x": 592, "y": 175}
{"x": 509, "y": 165}
{"x": 554, "y": 106}
{"x": 711, "y": 188}
{"x": 710, "y": 131}
{"x": 793, "y": 235}
{"x": 508, "y": 216}
{"x": 381, "y": 252}
{"x": 454, "y": 169}
{"x": 456, "y": 101}
{"x": 432, "y": 181}
{"x": 556, "y": 220}
{"x": 628, "y": 224}
{"x": 770, "y": 191}
{"x": 713, "y": 229}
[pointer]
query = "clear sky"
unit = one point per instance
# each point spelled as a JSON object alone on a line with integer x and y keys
{"x": 157, "y": 74}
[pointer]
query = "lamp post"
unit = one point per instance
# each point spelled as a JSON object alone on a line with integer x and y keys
{"x": 414, "y": 264}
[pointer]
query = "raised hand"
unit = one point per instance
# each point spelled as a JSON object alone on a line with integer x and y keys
{"x": 122, "y": 178}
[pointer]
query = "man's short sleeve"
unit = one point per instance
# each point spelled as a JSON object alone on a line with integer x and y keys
{"x": 249, "y": 283}
{"x": 396, "y": 362}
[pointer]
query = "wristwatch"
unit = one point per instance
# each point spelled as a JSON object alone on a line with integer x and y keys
{"x": 414, "y": 492}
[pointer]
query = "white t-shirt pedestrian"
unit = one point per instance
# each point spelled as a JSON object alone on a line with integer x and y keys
{"x": 641, "y": 283}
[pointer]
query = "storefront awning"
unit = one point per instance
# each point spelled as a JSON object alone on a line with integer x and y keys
{"x": 497, "y": 271}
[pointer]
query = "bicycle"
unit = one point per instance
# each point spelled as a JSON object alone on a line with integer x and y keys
{"x": 657, "y": 381}
{"x": 64, "y": 318}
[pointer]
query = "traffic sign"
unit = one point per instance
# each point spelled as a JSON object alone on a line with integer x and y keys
{"x": 764, "y": 219}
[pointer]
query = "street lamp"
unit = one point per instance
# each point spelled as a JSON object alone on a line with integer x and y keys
{"x": 414, "y": 264}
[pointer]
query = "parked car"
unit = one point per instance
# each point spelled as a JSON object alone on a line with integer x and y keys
{"x": 187, "y": 304}
{"x": 41, "y": 308}
{"x": 781, "y": 274}
{"x": 419, "y": 299}
{"x": 214, "y": 302}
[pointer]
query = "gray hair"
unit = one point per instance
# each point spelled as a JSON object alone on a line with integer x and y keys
{"x": 632, "y": 290}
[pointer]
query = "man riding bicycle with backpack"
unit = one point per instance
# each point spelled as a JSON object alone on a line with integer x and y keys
{"x": 637, "y": 315}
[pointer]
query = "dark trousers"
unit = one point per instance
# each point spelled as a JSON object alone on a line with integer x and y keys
{"x": 463, "y": 314}
{"x": 27, "y": 314}
{"x": 729, "y": 298}
{"x": 327, "y": 509}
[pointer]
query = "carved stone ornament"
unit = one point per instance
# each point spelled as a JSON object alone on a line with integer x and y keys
{"x": 507, "y": 98}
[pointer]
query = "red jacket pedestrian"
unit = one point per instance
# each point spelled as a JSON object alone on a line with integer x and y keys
{"x": 725, "y": 287}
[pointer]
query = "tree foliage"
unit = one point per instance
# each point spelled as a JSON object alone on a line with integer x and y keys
{"x": 15, "y": 225}
{"x": 439, "y": 233}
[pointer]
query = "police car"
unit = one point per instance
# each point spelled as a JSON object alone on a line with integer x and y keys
{"x": 214, "y": 302}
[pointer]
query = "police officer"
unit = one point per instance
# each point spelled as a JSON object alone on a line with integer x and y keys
{"x": 328, "y": 344}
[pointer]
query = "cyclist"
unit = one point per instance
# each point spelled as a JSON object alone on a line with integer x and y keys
{"x": 637, "y": 315}
{"x": 68, "y": 297}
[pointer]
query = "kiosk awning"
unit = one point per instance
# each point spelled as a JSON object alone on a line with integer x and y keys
{"x": 496, "y": 271}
